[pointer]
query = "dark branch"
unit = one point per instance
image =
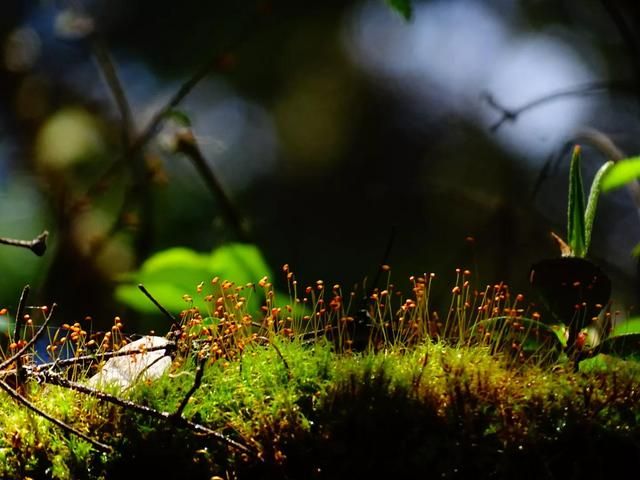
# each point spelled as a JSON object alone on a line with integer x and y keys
{"x": 187, "y": 145}
{"x": 16, "y": 356}
{"x": 20, "y": 313}
{"x": 194, "y": 388}
{"x": 56, "y": 379}
{"x": 38, "y": 245}
{"x": 512, "y": 114}
{"x": 100, "y": 357}
{"x": 275, "y": 347}
{"x": 166, "y": 312}
{"x": 110, "y": 74}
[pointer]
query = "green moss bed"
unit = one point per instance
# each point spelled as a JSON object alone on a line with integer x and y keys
{"x": 304, "y": 411}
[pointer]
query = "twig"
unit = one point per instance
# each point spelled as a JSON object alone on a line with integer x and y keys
{"x": 20, "y": 313}
{"x": 67, "y": 428}
{"x": 16, "y": 356}
{"x": 56, "y": 379}
{"x": 110, "y": 74}
{"x": 166, "y": 312}
{"x": 38, "y": 245}
{"x": 512, "y": 114}
{"x": 196, "y": 385}
{"x": 160, "y": 116}
{"x": 275, "y": 347}
{"x": 100, "y": 357}
{"x": 187, "y": 145}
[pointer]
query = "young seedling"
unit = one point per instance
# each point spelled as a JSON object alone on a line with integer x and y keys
{"x": 571, "y": 287}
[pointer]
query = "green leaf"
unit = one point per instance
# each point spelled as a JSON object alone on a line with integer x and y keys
{"x": 239, "y": 262}
{"x": 521, "y": 336}
{"x": 624, "y": 340}
{"x": 592, "y": 203}
{"x": 632, "y": 325}
{"x": 172, "y": 273}
{"x": 576, "y": 209}
{"x": 623, "y": 172}
{"x": 403, "y": 7}
{"x": 178, "y": 116}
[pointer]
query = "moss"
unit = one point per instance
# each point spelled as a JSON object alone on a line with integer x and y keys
{"x": 306, "y": 406}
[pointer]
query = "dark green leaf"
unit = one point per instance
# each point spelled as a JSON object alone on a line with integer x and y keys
{"x": 403, "y": 7}
{"x": 621, "y": 173}
{"x": 630, "y": 326}
{"x": 623, "y": 346}
{"x": 575, "y": 225}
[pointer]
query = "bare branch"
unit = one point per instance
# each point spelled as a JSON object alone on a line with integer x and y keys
{"x": 38, "y": 245}
{"x": 16, "y": 356}
{"x": 512, "y": 114}
{"x": 166, "y": 312}
{"x": 19, "y": 313}
{"x": 187, "y": 145}
{"x": 110, "y": 74}
{"x": 196, "y": 385}
{"x": 275, "y": 347}
{"x": 56, "y": 379}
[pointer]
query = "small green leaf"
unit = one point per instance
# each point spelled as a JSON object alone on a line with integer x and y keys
{"x": 621, "y": 173}
{"x": 576, "y": 209}
{"x": 403, "y": 7}
{"x": 592, "y": 203}
{"x": 178, "y": 116}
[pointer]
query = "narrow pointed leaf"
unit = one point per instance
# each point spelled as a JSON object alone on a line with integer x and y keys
{"x": 576, "y": 208}
{"x": 592, "y": 203}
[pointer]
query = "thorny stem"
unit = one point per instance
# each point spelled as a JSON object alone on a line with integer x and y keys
{"x": 56, "y": 379}
{"x": 38, "y": 245}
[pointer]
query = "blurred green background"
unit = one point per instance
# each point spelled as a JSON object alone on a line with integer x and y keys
{"x": 332, "y": 126}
